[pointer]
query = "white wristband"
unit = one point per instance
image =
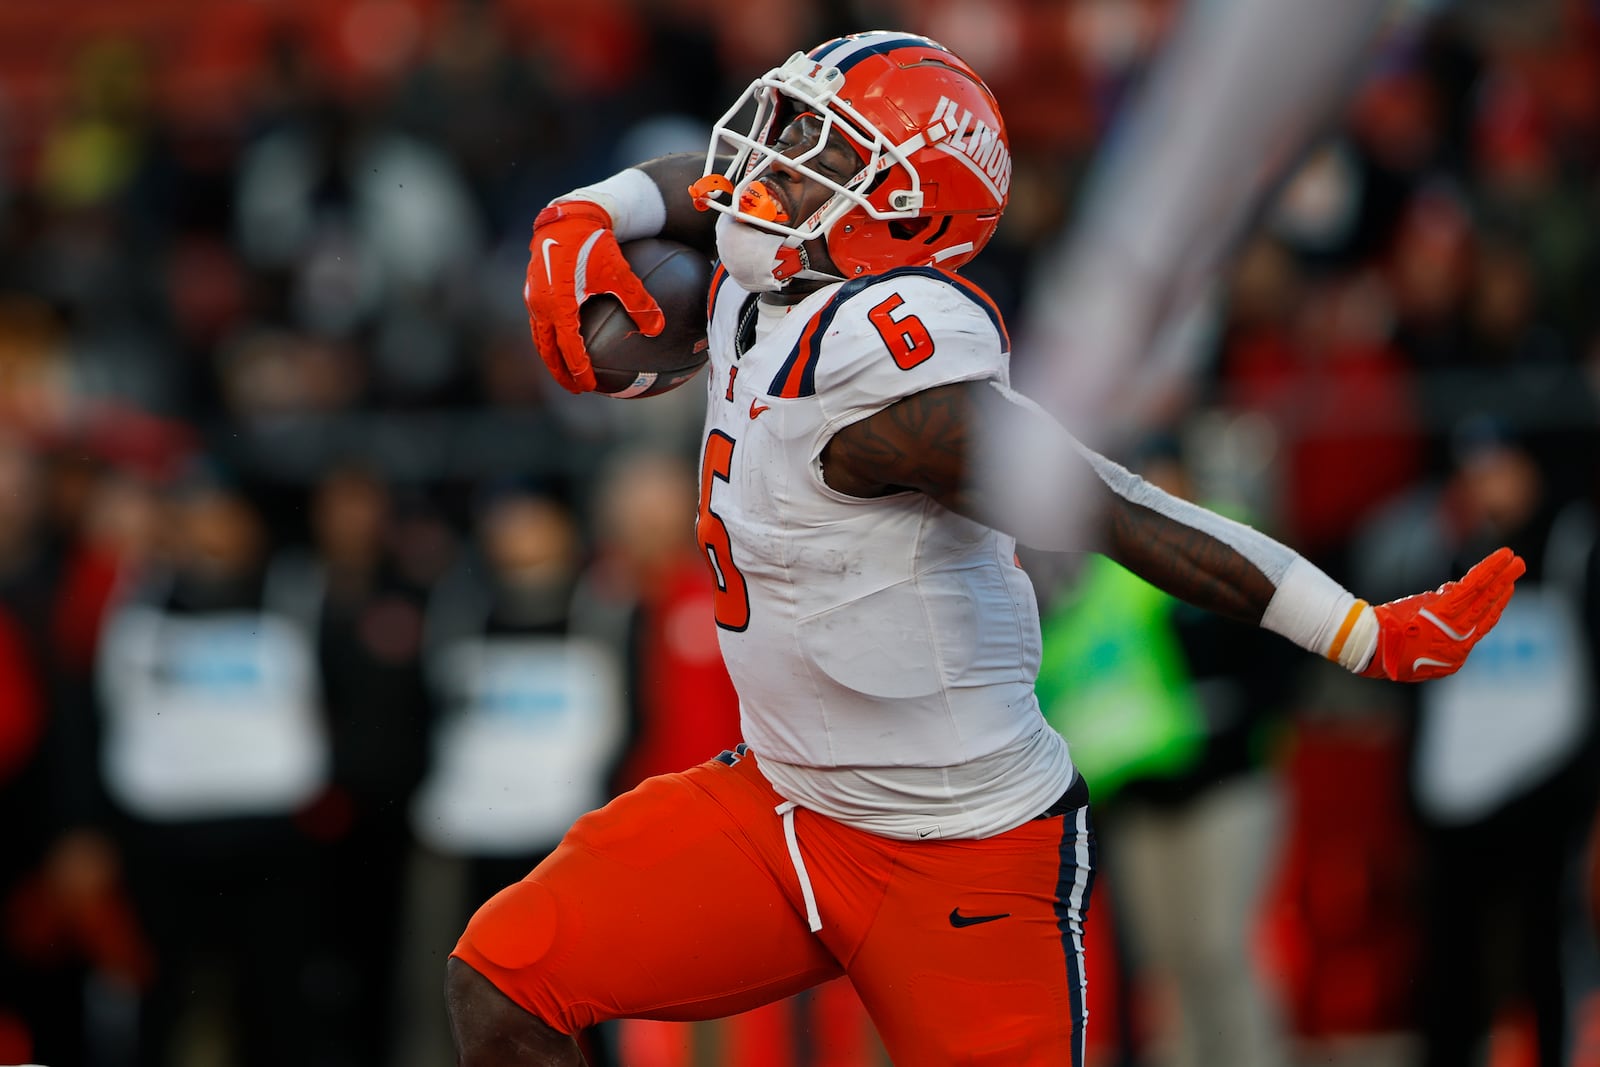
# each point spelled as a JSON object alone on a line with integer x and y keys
{"x": 1319, "y": 615}
{"x": 632, "y": 200}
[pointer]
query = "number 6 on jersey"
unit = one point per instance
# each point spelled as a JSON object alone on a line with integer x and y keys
{"x": 907, "y": 338}
{"x": 732, "y": 599}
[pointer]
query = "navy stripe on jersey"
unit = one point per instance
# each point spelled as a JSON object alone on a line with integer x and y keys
{"x": 1074, "y": 883}
{"x": 718, "y": 275}
{"x": 848, "y": 51}
{"x": 798, "y": 375}
{"x": 971, "y": 291}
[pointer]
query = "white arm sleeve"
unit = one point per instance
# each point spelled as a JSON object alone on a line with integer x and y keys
{"x": 632, "y": 200}
{"x": 1023, "y": 450}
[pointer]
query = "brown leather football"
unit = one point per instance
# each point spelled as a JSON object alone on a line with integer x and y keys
{"x": 628, "y": 364}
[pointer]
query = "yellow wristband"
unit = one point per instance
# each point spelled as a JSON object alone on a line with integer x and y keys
{"x": 1345, "y": 627}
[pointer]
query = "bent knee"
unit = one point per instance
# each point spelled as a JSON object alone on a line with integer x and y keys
{"x": 489, "y": 1028}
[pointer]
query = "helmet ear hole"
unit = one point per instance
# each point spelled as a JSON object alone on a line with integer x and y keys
{"x": 908, "y": 229}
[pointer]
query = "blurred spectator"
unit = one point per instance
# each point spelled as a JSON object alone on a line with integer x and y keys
{"x": 367, "y": 619}
{"x": 368, "y": 234}
{"x": 27, "y": 576}
{"x": 38, "y": 1016}
{"x": 1429, "y": 273}
{"x": 1170, "y": 711}
{"x": 70, "y": 952}
{"x": 101, "y": 227}
{"x": 339, "y": 181}
{"x": 213, "y": 744}
{"x": 1510, "y": 360}
{"x": 1526, "y": 189}
{"x": 485, "y": 104}
{"x": 93, "y": 152}
{"x": 648, "y": 592}
{"x": 1319, "y": 365}
{"x": 1505, "y": 756}
{"x": 531, "y": 717}
{"x": 109, "y": 558}
{"x": 76, "y": 910}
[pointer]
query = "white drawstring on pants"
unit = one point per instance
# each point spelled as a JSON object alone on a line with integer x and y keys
{"x": 786, "y": 811}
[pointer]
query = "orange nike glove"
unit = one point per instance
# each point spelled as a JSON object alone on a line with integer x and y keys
{"x": 1429, "y": 635}
{"x": 574, "y": 255}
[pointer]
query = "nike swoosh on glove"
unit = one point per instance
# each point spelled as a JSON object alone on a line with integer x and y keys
{"x": 1429, "y": 635}
{"x": 572, "y": 256}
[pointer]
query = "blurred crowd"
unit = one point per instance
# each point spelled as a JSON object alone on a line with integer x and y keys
{"x": 313, "y": 586}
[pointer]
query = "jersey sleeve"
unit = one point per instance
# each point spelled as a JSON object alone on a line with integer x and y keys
{"x": 885, "y": 338}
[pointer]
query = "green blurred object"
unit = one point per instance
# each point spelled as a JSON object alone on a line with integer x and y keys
{"x": 1114, "y": 682}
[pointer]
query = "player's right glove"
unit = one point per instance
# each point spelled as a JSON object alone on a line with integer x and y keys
{"x": 572, "y": 256}
{"x": 1429, "y": 635}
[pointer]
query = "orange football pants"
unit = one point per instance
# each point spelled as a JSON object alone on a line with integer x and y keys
{"x": 680, "y": 900}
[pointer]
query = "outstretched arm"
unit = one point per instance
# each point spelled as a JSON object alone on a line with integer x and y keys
{"x": 928, "y": 442}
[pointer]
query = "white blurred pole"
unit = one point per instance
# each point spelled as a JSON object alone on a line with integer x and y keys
{"x": 1234, "y": 98}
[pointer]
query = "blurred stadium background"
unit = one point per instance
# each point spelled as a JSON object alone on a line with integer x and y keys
{"x": 263, "y": 353}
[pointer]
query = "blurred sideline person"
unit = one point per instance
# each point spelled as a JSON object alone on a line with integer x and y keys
{"x": 1170, "y": 712}
{"x": 41, "y": 973}
{"x": 77, "y": 907}
{"x": 366, "y": 620}
{"x": 531, "y": 722}
{"x": 899, "y": 811}
{"x": 647, "y": 593}
{"x": 1503, "y": 805}
{"x": 213, "y": 745}
{"x": 531, "y": 717}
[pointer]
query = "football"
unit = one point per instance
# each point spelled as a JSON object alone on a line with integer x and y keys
{"x": 627, "y": 363}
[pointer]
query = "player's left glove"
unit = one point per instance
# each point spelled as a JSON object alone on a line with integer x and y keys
{"x": 572, "y": 256}
{"x": 1429, "y": 635}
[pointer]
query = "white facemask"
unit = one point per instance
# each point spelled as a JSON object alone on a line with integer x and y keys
{"x": 750, "y": 254}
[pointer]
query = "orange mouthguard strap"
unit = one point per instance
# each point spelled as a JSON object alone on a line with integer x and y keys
{"x": 707, "y": 187}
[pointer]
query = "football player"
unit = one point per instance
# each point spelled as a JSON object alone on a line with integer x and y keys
{"x": 899, "y": 812}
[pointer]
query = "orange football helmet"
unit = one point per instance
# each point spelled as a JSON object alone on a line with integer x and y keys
{"x": 935, "y": 162}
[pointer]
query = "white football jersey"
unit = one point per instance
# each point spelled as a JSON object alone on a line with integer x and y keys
{"x": 884, "y": 650}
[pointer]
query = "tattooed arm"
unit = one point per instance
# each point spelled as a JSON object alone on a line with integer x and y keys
{"x": 927, "y": 442}
{"x": 991, "y": 455}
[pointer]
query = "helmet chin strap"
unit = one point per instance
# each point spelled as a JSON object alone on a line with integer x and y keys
{"x": 807, "y": 273}
{"x": 795, "y": 262}
{"x": 790, "y": 260}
